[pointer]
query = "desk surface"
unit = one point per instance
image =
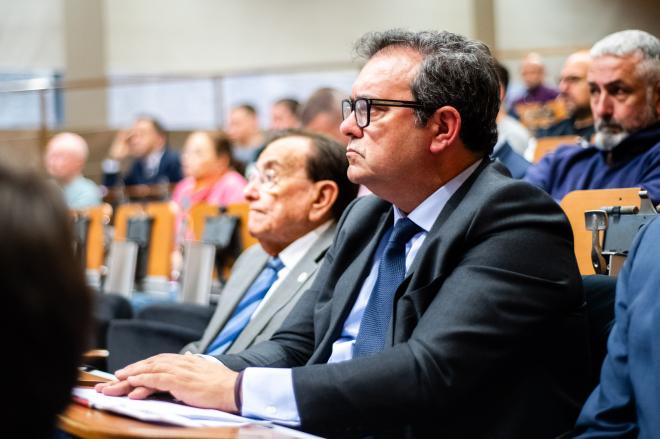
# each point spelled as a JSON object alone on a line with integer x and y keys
{"x": 96, "y": 424}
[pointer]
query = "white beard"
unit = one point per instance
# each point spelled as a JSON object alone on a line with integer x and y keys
{"x": 607, "y": 141}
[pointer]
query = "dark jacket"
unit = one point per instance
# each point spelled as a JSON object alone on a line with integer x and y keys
{"x": 488, "y": 335}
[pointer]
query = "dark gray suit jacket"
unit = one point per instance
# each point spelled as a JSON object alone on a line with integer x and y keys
{"x": 279, "y": 305}
{"x": 488, "y": 338}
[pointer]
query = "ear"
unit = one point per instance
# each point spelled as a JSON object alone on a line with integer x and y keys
{"x": 446, "y": 125}
{"x": 326, "y": 193}
{"x": 656, "y": 97}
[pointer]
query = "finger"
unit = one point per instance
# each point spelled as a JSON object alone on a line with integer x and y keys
{"x": 166, "y": 363}
{"x": 159, "y": 381}
{"x": 117, "y": 389}
{"x": 100, "y": 386}
{"x": 138, "y": 367}
{"x": 141, "y": 393}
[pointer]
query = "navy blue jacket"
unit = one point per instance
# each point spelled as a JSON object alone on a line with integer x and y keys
{"x": 169, "y": 171}
{"x": 515, "y": 163}
{"x": 635, "y": 162}
{"x": 566, "y": 127}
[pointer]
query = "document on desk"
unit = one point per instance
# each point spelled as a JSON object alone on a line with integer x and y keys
{"x": 151, "y": 410}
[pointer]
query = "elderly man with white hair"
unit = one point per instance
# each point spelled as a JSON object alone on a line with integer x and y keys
{"x": 624, "y": 85}
{"x": 65, "y": 158}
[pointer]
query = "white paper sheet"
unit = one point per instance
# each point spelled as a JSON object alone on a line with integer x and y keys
{"x": 160, "y": 411}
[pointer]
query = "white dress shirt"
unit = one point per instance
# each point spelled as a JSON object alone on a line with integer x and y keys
{"x": 290, "y": 257}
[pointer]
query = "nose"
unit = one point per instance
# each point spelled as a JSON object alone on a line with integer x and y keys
{"x": 602, "y": 105}
{"x": 563, "y": 87}
{"x": 349, "y": 127}
{"x": 250, "y": 191}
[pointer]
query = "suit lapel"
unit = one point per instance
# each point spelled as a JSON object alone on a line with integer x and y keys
{"x": 232, "y": 294}
{"x": 435, "y": 235}
{"x": 290, "y": 286}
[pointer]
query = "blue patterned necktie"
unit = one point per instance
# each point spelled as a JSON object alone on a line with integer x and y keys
{"x": 391, "y": 272}
{"x": 246, "y": 307}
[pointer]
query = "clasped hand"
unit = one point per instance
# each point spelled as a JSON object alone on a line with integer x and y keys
{"x": 191, "y": 379}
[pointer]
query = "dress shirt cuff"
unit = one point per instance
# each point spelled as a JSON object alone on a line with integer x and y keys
{"x": 210, "y": 358}
{"x": 268, "y": 394}
{"x": 110, "y": 166}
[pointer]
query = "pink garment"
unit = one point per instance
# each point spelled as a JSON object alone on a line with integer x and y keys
{"x": 226, "y": 190}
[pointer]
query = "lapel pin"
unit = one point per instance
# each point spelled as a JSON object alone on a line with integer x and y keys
{"x": 302, "y": 277}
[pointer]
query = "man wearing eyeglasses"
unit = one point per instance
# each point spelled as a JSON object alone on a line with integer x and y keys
{"x": 449, "y": 304}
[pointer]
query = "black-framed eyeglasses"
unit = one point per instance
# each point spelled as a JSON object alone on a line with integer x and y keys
{"x": 362, "y": 108}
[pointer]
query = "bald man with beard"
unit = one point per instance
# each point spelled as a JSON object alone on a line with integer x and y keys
{"x": 574, "y": 91}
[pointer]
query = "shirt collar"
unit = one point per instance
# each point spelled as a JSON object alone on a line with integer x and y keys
{"x": 152, "y": 161}
{"x": 427, "y": 212}
{"x": 295, "y": 251}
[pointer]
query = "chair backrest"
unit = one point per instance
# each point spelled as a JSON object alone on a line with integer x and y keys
{"x": 544, "y": 145}
{"x": 577, "y": 202}
{"x": 535, "y": 115}
{"x": 198, "y": 215}
{"x": 99, "y": 217}
{"x": 161, "y": 243}
{"x": 198, "y": 266}
{"x": 121, "y": 268}
{"x": 201, "y": 211}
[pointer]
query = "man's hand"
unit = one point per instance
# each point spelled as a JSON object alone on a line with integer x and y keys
{"x": 191, "y": 379}
{"x": 120, "y": 149}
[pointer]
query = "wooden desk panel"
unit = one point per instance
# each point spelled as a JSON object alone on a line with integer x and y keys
{"x": 89, "y": 423}
{"x": 577, "y": 202}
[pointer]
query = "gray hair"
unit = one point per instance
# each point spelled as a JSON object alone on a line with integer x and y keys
{"x": 630, "y": 42}
{"x": 455, "y": 71}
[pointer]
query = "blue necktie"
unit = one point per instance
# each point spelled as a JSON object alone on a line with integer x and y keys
{"x": 391, "y": 272}
{"x": 246, "y": 307}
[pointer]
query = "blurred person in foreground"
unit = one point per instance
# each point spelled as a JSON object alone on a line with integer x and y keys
{"x": 48, "y": 322}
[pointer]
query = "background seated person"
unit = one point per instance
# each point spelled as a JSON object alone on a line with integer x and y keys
{"x": 284, "y": 114}
{"x": 574, "y": 92}
{"x": 625, "y": 404}
{"x": 532, "y": 71}
{"x": 297, "y": 192}
{"x": 48, "y": 322}
{"x": 210, "y": 178}
{"x": 321, "y": 113}
{"x": 66, "y": 155}
{"x": 512, "y": 136}
{"x": 153, "y": 162}
{"x": 624, "y": 81}
{"x": 245, "y": 134}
